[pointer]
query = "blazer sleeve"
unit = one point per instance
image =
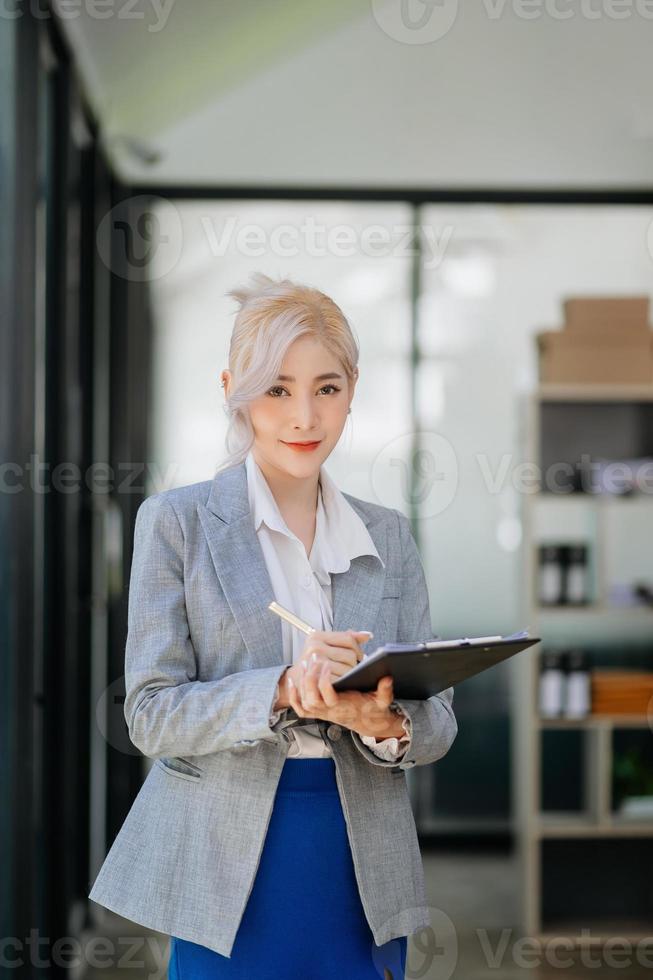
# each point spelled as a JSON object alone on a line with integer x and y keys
{"x": 168, "y": 711}
{"x": 432, "y": 722}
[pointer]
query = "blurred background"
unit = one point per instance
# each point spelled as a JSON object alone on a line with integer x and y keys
{"x": 473, "y": 184}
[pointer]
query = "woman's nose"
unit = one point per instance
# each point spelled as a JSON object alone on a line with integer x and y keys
{"x": 305, "y": 414}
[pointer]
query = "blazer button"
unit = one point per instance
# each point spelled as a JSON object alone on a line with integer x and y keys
{"x": 334, "y": 732}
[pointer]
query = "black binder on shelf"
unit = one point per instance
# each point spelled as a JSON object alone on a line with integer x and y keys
{"x": 420, "y": 670}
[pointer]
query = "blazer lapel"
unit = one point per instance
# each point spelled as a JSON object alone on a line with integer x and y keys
{"x": 240, "y": 566}
{"x": 357, "y": 592}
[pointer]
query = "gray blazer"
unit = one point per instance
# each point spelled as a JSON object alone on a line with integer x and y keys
{"x": 202, "y": 661}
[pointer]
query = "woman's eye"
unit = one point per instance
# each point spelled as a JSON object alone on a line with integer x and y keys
{"x": 271, "y": 391}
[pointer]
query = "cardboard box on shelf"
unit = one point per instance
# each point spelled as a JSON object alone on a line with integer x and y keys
{"x": 605, "y": 340}
{"x": 606, "y": 316}
{"x": 618, "y": 691}
{"x": 566, "y": 360}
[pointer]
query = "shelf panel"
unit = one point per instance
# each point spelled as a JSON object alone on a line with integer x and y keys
{"x": 633, "y": 500}
{"x": 593, "y": 624}
{"x": 598, "y": 721}
{"x": 641, "y": 827}
{"x": 467, "y": 825}
{"x": 596, "y": 609}
{"x": 568, "y": 825}
{"x": 593, "y": 932}
{"x": 594, "y": 392}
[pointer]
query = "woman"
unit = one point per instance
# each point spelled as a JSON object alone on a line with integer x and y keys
{"x": 274, "y": 836}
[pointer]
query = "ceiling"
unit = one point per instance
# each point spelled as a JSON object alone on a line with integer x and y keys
{"x": 543, "y": 94}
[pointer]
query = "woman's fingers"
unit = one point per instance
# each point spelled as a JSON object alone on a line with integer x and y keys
{"x": 338, "y": 655}
{"x": 342, "y": 645}
{"x": 329, "y": 695}
{"x": 311, "y": 696}
{"x": 339, "y": 667}
{"x": 295, "y": 699}
{"x": 341, "y": 638}
{"x": 339, "y": 670}
{"x": 314, "y": 696}
{"x": 345, "y": 657}
{"x": 349, "y": 640}
{"x": 385, "y": 689}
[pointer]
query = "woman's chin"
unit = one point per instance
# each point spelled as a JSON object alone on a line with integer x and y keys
{"x": 300, "y": 462}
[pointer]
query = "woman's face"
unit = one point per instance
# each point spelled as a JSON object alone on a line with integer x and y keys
{"x": 310, "y": 407}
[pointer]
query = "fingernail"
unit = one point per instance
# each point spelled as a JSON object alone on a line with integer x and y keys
{"x": 314, "y": 657}
{"x": 291, "y": 682}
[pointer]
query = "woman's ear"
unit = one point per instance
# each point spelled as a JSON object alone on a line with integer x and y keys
{"x": 225, "y": 378}
{"x": 352, "y": 385}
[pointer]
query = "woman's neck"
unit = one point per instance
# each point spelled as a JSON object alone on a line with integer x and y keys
{"x": 295, "y": 497}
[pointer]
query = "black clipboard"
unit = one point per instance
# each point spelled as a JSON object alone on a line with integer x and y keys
{"x": 420, "y": 670}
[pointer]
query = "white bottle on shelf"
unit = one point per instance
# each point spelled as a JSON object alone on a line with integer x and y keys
{"x": 552, "y": 684}
{"x": 577, "y": 686}
{"x": 550, "y": 575}
{"x": 576, "y": 574}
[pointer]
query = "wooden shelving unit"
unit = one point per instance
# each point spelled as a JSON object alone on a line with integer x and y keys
{"x": 595, "y": 829}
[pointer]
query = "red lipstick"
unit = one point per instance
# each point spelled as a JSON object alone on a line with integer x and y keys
{"x": 302, "y": 447}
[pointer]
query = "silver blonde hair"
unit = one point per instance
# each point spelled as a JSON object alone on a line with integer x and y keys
{"x": 271, "y": 316}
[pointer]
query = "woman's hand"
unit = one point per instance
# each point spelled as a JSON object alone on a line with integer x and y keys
{"x": 365, "y": 712}
{"x": 340, "y": 648}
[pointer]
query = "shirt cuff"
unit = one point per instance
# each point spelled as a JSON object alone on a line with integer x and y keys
{"x": 275, "y": 715}
{"x": 392, "y": 748}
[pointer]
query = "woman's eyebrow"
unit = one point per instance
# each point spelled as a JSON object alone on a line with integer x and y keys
{"x": 320, "y": 377}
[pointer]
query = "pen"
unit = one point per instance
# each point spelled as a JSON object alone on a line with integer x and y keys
{"x": 291, "y": 618}
{"x": 295, "y": 620}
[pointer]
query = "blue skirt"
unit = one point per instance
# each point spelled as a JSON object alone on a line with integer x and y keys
{"x": 304, "y": 919}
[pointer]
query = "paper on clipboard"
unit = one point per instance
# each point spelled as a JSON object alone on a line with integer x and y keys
{"x": 422, "y": 669}
{"x": 462, "y": 641}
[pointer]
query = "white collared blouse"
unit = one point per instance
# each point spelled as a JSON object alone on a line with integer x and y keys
{"x": 302, "y": 584}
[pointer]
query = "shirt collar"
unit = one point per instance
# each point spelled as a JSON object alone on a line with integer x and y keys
{"x": 340, "y": 534}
